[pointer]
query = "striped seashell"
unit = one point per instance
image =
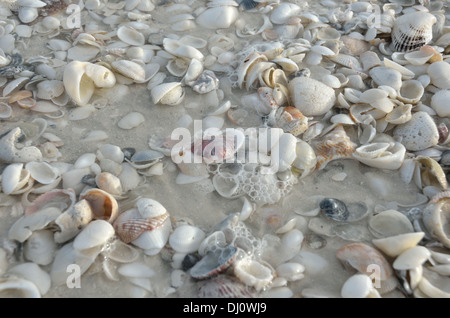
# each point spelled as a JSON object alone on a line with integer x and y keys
{"x": 335, "y": 145}
{"x": 224, "y": 286}
{"x": 130, "y": 224}
{"x": 412, "y": 31}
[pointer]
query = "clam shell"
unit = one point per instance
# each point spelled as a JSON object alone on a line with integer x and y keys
{"x": 386, "y": 76}
{"x": 42, "y": 172}
{"x": 283, "y": 12}
{"x": 49, "y": 89}
{"x": 33, "y": 273}
{"x": 102, "y": 76}
{"x": 359, "y": 286}
{"x": 95, "y": 234}
{"x": 13, "y": 177}
{"x": 130, "y": 69}
{"x": 130, "y": 36}
{"x": 440, "y": 74}
{"x": 436, "y": 217}
{"x": 171, "y": 93}
{"x": 411, "y": 92}
{"x": 214, "y": 262}
{"x": 253, "y": 273}
{"x": 104, "y": 206}
{"x": 412, "y": 31}
{"x": 221, "y": 17}
{"x": 419, "y": 133}
{"x": 72, "y": 221}
{"x": 412, "y": 258}
{"x": 389, "y": 223}
{"x": 381, "y": 155}
{"x": 186, "y": 239}
{"x": 20, "y": 287}
{"x": 395, "y": 245}
{"x": 439, "y": 102}
{"x": 110, "y": 183}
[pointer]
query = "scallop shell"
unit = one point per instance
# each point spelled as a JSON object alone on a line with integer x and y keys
{"x": 311, "y": 97}
{"x": 224, "y": 286}
{"x": 419, "y": 133}
{"x": 412, "y": 31}
{"x": 171, "y": 93}
{"x": 335, "y": 145}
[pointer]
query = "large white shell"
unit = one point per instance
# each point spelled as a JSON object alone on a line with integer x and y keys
{"x": 419, "y": 133}
{"x": 95, "y": 234}
{"x": 439, "y": 102}
{"x": 311, "y": 97}
{"x": 381, "y": 155}
{"x": 389, "y": 223}
{"x": 77, "y": 84}
{"x": 42, "y": 172}
{"x": 186, "y": 239}
{"x": 412, "y": 258}
{"x": 101, "y": 76}
{"x": 221, "y": 17}
{"x": 359, "y": 286}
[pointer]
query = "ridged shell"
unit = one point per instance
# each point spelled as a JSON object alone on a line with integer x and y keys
{"x": 224, "y": 286}
{"x": 171, "y": 93}
{"x": 412, "y": 31}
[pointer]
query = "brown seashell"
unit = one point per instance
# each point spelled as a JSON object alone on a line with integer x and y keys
{"x": 103, "y": 205}
{"x": 335, "y": 145}
{"x": 367, "y": 260}
{"x": 291, "y": 120}
{"x": 129, "y": 227}
{"x": 412, "y": 31}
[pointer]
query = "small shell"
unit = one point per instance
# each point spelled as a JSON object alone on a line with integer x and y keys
{"x": 42, "y": 172}
{"x": 386, "y": 76}
{"x": 19, "y": 287}
{"x": 439, "y": 102}
{"x": 214, "y": 262}
{"x": 186, "y": 239}
{"x": 412, "y": 31}
{"x": 334, "y": 209}
{"x": 224, "y": 286}
{"x": 381, "y": 155}
{"x": 109, "y": 183}
{"x": 439, "y": 73}
{"x": 359, "y": 286}
{"x": 291, "y": 271}
{"x": 95, "y": 234}
{"x": 171, "y": 93}
{"x": 253, "y": 273}
{"x": 40, "y": 247}
{"x": 130, "y": 69}
{"x": 389, "y": 223}
{"x": 436, "y": 219}
{"x": 130, "y": 36}
{"x": 411, "y": 92}
{"x": 221, "y": 17}
{"x": 131, "y": 120}
{"x": 104, "y": 206}
{"x": 72, "y": 221}
{"x": 14, "y": 177}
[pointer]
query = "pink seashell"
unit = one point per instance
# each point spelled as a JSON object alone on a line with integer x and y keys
{"x": 224, "y": 286}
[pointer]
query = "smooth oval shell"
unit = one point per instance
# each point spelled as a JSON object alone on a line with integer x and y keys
{"x": 397, "y": 244}
{"x": 96, "y": 233}
{"x": 412, "y": 258}
{"x": 131, "y": 120}
{"x": 130, "y": 36}
{"x": 359, "y": 286}
{"x": 221, "y": 17}
{"x": 186, "y": 239}
{"x": 440, "y": 74}
{"x": 390, "y": 223}
{"x": 436, "y": 216}
{"x": 439, "y": 102}
{"x": 334, "y": 209}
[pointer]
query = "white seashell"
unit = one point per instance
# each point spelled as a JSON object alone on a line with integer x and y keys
{"x": 77, "y": 84}
{"x": 72, "y": 221}
{"x": 131, "y": 120}
{"x": 42, "y": 172}
{"x": 426, "y": 287}
{"x": 252, "y": 273}
{"x": 412, "y": 31}
{"x": 101, "y": 76}
{"x": 49, "y": 89}
{"x": 136, "y": 270}
{"x": 14, "y": 85}
{"x": 381, "y": 155}
{"x": 194, "y": 70}
{"x": 435, "y": 218}
{"x": 130, "y": 69}
{"x": 28, "y": 14}
{"x": 186, "y": 239}
{"x": 5, "y": 111}
{"x": 13, "y": 178}
{"x": 359, "y": 286}
{"x": 440, "y": 74}
{"x": 283, "y": 153}
{"x": 386, "y": 76}
{"x": 291, "y": 271}
{"x": 306, "y": 159}
{"x": 389, "y": 223}
{"x": 109, "y": 183}
{"x": 19, "y": 287}
{"x": 310, "y": 96}
{"x": 377, "y": 98}
{"x": 171, "y": 93}
{"x": 420, "y": 57}
{"x": 111, "y": 152}
{"x": 411, "y": 92}
{"x": 393, "y": 246}
{"x": 412, "y": 258}
{"x": 406, "y": 73}
{"x": 33, "y": 273}
{"x": 291, "y": 243}
{"x": 221, "y": 17}
{"x": 399, "y": 115}
{"x": 419, "y": 133}
{"x": 283, "y": 12}
{"x": 129, "y": 177}
{"x": 439, "y": 102}
{"x": 40, "y": 247}
{"x": 150, "y": 208}
{"x": 130, "y": 36}
{"x": 95, "y": 234}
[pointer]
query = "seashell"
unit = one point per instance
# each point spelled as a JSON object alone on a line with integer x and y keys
{"x": 359, "y": 286}
{"x": 395, "y": 245}
{"x": 110, "y": 183}
{"x": 335, "y": 145}
{"x": 120, "y": 252}
{"x": 383, "y": 75}
{"x": 421, "y": 124}
{"x": 130, "y": 35}
{"x": 102, "y": 76}
{"x": 291, "y": 243}
{"x": 14, "y": 86}
{"x": 130, "y": 69}
{"x": 306, "y": 159}
{"x": 377, "y": 98}
{"x": 19, "y": 287}
{"x": 411, "y": 92}
{"x": 224, "y": 286}
{"x": 33, "y": 273}
{"x": 439, "y": 74}
{"x": 49, "y": 89}
{"x": 42, "y": 172}
{"x": 435, "y": 217}
{"x": 104, "y": 206}
{"x": 214, "y": 262}
{"x": 186, "y": 239}
{"x": 221, "y": 17}
{"x": 310, "y": 96}
{"x": 369, "y": 60}
{"x": 381, "y": 155}
{"x": 334, "y": 209}
{"x": 28, "y": 14}
{"x": 131, "y": 120}
{"x": 227, "y": 187}
{"x": 111, "y": 152}
{"x": 389, "y": 223}
{"x": 431, "y": 172}
{"x": 421, "y": 56}
{"x": 283, "y": 12}
{"x": 412, "y": 31}
{"x": 136, "y": 270}
{"x": 40, "y": 247}
{"x": 194, "y": 70}
{"x": 95, "y": 234}
{"x": 5, "y": 111}
{"x": 412, "y": 258}
{"x": 72, "y": 221}
{"x": 253, "y": 273}
{"x": 247, "y": 64}
{"x": 291, "y": 120}
{"x": 77, "y": 84}
{"x": 145, "y": 158}
{"x": 439, "y": 102}
{"x": 362, "y": 257}
{"x": 171, "y": 93}
{"x": 426, "y": 287}
{"x": 291, "y": 271}
{"x": 400, "y": 114}
{"x": 206, "y": 82}
{"x": 14, "y": 177}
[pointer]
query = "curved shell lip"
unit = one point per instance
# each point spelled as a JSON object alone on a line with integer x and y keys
{"x": 104, "y": 206}
{"x": 435, "y": 214}
{"x": 161, "y": 91}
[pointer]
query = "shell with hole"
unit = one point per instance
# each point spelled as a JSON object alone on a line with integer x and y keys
{"x": 171, "y": 93}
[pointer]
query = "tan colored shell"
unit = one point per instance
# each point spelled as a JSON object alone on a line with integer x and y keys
{"x": 103, "y": 205}
{"x": 291, "y": 120}
{"x": 335, "y": 145}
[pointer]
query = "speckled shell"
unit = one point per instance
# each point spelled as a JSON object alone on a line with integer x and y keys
{"x": 412, "y": 31}
{"x": 419, "y": 133}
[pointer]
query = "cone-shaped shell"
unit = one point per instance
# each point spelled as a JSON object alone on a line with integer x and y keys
{"x": 78, "y": 85}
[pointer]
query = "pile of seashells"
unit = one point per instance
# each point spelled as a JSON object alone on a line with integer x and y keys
{"x": 366, "y": 81}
